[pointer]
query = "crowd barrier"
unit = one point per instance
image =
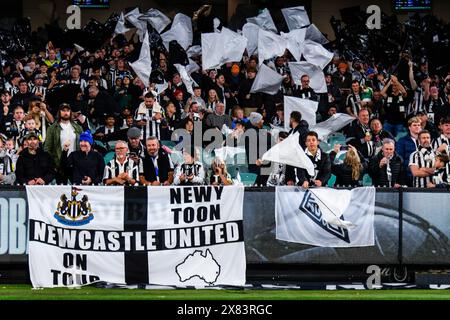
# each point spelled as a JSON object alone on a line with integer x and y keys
{"x": 412, "y": 227}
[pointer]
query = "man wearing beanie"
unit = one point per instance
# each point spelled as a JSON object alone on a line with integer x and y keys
{"x": 84, "y": 166}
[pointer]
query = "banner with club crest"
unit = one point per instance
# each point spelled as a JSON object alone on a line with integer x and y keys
{"x": 179, "y": 236}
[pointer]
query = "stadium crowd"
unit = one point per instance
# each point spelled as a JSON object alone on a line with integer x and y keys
{"x": 74, "y": 116}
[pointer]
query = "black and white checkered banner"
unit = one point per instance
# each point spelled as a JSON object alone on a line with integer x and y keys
{"x": 181, "y": 236}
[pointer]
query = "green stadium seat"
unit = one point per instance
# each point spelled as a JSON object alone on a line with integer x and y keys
{"x": 331, "y": 181}
{"x": 109, "y": 156}
{"x": 248, "y": 179}
{"x": 367, "y": 180}
{"x": 168, "y": 143}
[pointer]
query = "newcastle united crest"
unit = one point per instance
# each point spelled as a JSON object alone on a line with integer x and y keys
{"x": 74, "y": 212}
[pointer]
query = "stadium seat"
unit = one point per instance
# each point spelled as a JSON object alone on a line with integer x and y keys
{"x": 109, "y": 156}
{"x": 248, "y": 179}
{"x": 331, "y": 181}
{"x": 367, "y": 180}
{"x": 168, "y": 143}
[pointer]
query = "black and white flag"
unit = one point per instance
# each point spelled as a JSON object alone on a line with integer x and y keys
{"x": 180, "y": 236}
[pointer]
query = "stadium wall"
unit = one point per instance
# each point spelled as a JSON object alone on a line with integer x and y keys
{"x": 412, "y": 226}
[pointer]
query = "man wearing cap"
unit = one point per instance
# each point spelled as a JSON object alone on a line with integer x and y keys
{"x": 84, "y": 166}
{"x": 34, "y": 166}
{"x": 61, "y": 132}
{"x": 37, "y": 88}
{"x": 137, "y": 149}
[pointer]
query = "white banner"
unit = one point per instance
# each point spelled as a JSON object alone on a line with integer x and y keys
{"x": 326, "y": 217}
{"x": 307, "y": 109}
{"x": 182, "y": 236}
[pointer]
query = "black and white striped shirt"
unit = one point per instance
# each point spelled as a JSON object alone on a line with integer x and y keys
{"x": 440, "y": 141}
{"x": 195, "y": 169}
{"x": 152, "y": 126}
{"x": 422, "y": 158}
{"x": 41, "y": 89}
{"x": 114, "y": 168}
{"x": 442, "y": 176}
{"x": 6, "y": 170}
{"x": 417, "y": 104}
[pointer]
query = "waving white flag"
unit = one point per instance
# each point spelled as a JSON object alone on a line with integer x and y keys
{"x": 316, "y": 75}
{"x": 220, "y": 48}
{"x": 250, "y": 31}
{"x": 270, "y": 45}
{"x": 156, "y": 18}
{"x": 291, "y": 153}
{"x": 264, "y": 21}
{"x": 335, "y": 123}
{"x": 141, "y": 26}
{"x": 120, "y": 26}
{"x": 267, "y": 81}
{"x": 295, "y": 42}
{"x": 181, "y": 31}
{"x": 314, "y": 34}
{"x": 307, "y": 108}
{"x": 316, "y": 54}
{"x": 186, "y": 78}
{"x": 296, "y": 17}
{"x": 143, "y": 66}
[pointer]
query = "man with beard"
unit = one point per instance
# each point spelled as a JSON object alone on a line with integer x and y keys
{"x": 34, "y": 166}
{"x": 63, "y": 132}
{"x": 421, "y": 162}
{"x": 156, "y": 168}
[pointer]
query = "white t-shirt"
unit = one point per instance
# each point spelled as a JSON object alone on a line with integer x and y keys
{"x": 68, "y": 133}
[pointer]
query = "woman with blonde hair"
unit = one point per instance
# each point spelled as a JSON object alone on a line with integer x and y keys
{"x": 212, "y": 100}
{"x": 351, "y": 171}
{"x": 219, "y": 173}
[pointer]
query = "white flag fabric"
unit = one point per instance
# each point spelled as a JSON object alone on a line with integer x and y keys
{"x": 270, "y": 45}
{"x": 125, "y": 236}
{"x": 227, "y": 154}
{"x": 143, "y": 66}
{"x": 326, "y": 217}
{"x": 316, "y": 75}
{"x": 120, "y": 26}
{"x": 194, "y": 51}
{"x": 296, "y": 17}
{"x": 156, "y": 18}
{"x": 141, "y": 26}
{"x": 264, "y": 21}
{"x": 294, "y": 42}
{"x": 250, "y": 31}
{"x": 291, "y": 153}
{"x": 335, "y": 123}
{"x": 185, "y": 77}
{"x": 267, "y": 81}
{"x": 316, "y": 54}
{"x": 307, "y": 108}
{"x": 192, "y": 67}
{"x": 220, "y": 48}
{"x": 314, "y": 34}
{"x": 181, "y": 31}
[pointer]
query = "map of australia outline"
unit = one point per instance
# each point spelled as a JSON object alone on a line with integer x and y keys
{"x": 196, "y": 259}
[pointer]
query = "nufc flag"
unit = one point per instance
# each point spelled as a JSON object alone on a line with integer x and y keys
{"x": 180, "y": 236}
{"x": 325, "y": 217}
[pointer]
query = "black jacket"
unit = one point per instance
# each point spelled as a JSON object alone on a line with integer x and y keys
{"x": 302, "y": 128}
{"x": 79, "y": 164}
{"x": 379, "y": 175}
{"x": 33, "y": 166}
{"x": 356, "y": 133}
{"x": 343, "y": 173}
{"x": 322, "y": 167}
{"x": 164, "y": 167}
{"x": 104, "y": 104}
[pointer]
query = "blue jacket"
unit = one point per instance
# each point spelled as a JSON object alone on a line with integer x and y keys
{"x": 404, "y": 147}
